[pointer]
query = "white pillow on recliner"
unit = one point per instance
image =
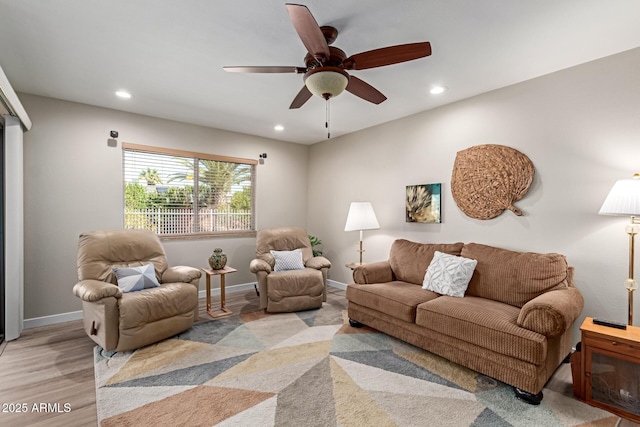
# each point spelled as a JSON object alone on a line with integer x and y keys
{"x": 288, "y": 260}
{"x": 449, "y": 274}
{"x": 131, "y": 279}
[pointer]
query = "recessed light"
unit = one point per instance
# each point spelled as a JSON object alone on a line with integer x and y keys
{"x": 123, "y": 94}
{"x": 279, "y": 128}
{"x": 436, "y": 90}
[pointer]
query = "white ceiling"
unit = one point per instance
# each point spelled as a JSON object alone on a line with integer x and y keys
{"x": 169, "y": 54}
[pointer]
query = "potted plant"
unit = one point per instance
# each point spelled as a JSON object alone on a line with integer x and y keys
{"x": 315, "y": 245}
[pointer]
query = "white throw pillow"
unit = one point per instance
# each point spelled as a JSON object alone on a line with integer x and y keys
{"x": 449, "y": 274}
{"x": 288, "y": 260}
{"x": 131, "y": 279}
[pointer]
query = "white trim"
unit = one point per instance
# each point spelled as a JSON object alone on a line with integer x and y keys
{"x": 338, "y": 285}
{"x": 77, "y": 315}
{"x": 13, "y": 104}
{"x": 52, "y": 320}
{"x": 247, "y": 286}
{"x": 228, "y": 289}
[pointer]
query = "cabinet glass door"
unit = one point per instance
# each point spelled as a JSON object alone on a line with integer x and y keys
{"x": 614, "y": 382}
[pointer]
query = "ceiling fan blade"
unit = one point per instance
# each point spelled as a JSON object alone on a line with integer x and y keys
{"x": 309, "y": 31}
{"x": 387, "y": 56}
{"x": 261, "y": 69}
{"x": 364, "y": 90}
{"x": 302, "y": 97}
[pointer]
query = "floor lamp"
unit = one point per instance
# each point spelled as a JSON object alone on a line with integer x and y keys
{"x": 361, "y": 217}
{"x": 624, "y": 200}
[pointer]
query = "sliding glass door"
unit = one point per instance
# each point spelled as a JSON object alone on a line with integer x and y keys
{"x": 2, "y": 297}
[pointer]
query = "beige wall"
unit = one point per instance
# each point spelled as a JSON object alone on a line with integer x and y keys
{"x": 581, "y": 129}
{"x": 73, "y": 183}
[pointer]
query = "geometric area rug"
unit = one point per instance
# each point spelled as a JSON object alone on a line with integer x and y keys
{"x": 308, "y": 369}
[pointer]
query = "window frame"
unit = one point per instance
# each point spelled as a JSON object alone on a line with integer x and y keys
{"x": 197, "y": 157}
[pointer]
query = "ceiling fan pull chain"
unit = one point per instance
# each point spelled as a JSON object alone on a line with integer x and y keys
{"x": 326, "y": 123}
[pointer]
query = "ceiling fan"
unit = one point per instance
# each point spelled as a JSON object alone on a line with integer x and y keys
{"x": 325, "y": 70}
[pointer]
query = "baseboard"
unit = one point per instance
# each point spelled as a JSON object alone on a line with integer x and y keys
{"x": 77, "y": 315}
{"x": 338, "y": 285}
{"x": 228, "y": 289}
{"x": 52, "y": 320}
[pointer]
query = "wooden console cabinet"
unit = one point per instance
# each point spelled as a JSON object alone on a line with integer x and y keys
{"x": 607, "y": 369}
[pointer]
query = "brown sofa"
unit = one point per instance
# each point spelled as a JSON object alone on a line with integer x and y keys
{"x": 121, "y": 321}
{"x": 513, "y": 323}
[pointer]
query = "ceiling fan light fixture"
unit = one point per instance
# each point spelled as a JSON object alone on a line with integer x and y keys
{"x": 326, "y": 82}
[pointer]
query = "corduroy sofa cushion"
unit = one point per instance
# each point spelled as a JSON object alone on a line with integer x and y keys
{"x": 512, "y": 277}
{"x": 409, "y": 260}
{"x": 397, "y": 299}
{"x": 485, "y": 323}
{"x": 552, "y": 313}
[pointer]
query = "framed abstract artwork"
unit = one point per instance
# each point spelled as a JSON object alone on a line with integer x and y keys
{"x": 423, "y": 203}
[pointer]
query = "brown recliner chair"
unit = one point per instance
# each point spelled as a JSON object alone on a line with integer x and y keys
{"x": 122, "y": 321}
{"x": 298, "y": 289}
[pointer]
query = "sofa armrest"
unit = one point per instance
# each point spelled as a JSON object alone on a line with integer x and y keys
{"x": 553, "y": 312}
{"x": 375, "y": 272}
{"x": 259, "y": 265}
{"x": 95, "y": 290}
{"x": 180, "y": 273}
{"x": 318, "y": 262}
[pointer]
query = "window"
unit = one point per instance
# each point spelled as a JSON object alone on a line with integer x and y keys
{"x": 180, "y": 193}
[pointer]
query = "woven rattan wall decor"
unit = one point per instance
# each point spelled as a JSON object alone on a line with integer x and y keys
{"x": 487, "y": 179}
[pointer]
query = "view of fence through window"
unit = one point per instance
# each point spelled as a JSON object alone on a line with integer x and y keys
{"x": 181, "y": 193}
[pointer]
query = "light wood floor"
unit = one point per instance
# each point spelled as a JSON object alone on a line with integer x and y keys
{"x": 54, "y": 365}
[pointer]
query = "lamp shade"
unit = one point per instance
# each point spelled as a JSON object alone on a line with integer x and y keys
{"x": 326, "y": 82}
{"x": 623, "y": 199}
{"x": 361, "y": 217}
